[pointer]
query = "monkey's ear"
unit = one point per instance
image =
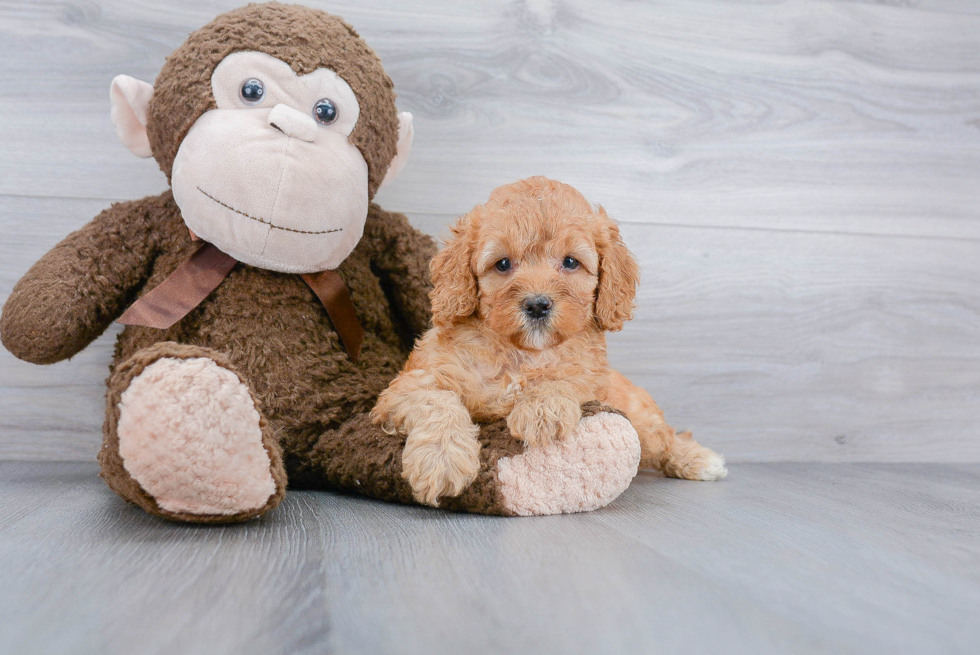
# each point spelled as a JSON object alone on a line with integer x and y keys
{"x": 405, "y": 135}
{"x": 130, "y": 98}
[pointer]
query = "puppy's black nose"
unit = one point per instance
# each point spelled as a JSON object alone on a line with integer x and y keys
{"x": 537, "y": 306}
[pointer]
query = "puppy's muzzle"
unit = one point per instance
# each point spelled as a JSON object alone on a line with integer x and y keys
{"x": 537, "y": 307}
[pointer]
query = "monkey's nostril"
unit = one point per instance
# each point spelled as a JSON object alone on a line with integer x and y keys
{"x": 537, "y": 306}
{"x": 293, "y": 123}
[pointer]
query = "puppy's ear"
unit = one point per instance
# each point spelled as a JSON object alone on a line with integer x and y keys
{"x": 618, "y": 277}
{"x": 454, "y": 290}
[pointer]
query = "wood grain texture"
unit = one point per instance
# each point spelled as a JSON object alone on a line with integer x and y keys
{"x": 779, "y": 558}
{"x": 798, "y": 180}
{"x": 814, "y": 115}
{"x": 116, "y": 580}
{"x": 807, "y": 346}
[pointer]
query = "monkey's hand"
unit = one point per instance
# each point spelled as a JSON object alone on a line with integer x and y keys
{"x": 539, "y": 420}
{"x": 72, "y": 294}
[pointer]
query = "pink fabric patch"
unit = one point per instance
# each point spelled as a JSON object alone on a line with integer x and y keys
{"x": 584, "y": 471}
{"x": 189, "y": 434}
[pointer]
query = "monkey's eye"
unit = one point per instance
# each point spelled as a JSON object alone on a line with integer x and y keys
{"x": 503, "y": 265}
{"x": 569, "y": 263}
{"x": 324, "y": 111}
{"x": 252, "y": 91}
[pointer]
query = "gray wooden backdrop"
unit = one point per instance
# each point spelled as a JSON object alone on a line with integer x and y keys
{"x": 800, "y": 181}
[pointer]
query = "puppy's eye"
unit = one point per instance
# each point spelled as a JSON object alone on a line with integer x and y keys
{"x": 252, "y": 91}
{"x": 503, "y": 265}
{"x": 570, "y": 263}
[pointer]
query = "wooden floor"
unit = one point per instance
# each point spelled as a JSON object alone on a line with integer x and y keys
{"x": 779, "y": 558}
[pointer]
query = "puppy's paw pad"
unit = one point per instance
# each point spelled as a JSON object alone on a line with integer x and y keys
{"x": 435, "y": 468}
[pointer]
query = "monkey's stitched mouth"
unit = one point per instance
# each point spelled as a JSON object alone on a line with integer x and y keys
{"x": 262, "y": 220}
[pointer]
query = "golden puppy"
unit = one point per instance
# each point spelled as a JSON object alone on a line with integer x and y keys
{"x": 523, "y": 293}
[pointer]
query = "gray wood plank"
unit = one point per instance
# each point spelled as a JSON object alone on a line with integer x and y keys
{"x": 799, "y": 558}
{"x": 801, "y": 346}
{"x": 843, "y": 548}
{"x": 90, "y": 574}
{"x": 466, "y": 584}
{"x": 855, "y": 117}
{"x": 28, "y": 486}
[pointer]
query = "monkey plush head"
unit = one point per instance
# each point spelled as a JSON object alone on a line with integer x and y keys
{"x": 275, "y": 125}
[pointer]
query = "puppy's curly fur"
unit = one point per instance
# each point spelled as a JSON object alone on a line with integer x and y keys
{"x": 524, "y": 292}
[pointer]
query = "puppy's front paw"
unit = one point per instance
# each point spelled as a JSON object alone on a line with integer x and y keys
{"x": 441, "y": 465}
{"x": 540, "y": 420}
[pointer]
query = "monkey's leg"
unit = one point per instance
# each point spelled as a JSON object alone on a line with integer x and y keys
{"x": 184, "y": 439}
{"x": 585, "y": 470}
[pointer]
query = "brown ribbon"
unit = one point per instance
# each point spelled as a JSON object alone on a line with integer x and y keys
{"x": 196, "y": 278}
{"x": 182, "y": 291}
{"x": 333, "y": 293}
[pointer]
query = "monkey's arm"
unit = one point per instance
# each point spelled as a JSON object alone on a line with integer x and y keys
{"x": 400, "y": 255}
{"x": 72, "y": 294}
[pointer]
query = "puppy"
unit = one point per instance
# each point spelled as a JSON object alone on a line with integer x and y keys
{"x": 523, "y": 293}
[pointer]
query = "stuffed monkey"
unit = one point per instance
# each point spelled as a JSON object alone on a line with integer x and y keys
{"x": 267, "y": 300}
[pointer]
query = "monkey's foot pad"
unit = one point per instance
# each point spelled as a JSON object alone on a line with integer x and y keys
{"x": 584, "y": 471}
{"x": 190, "y": 435}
